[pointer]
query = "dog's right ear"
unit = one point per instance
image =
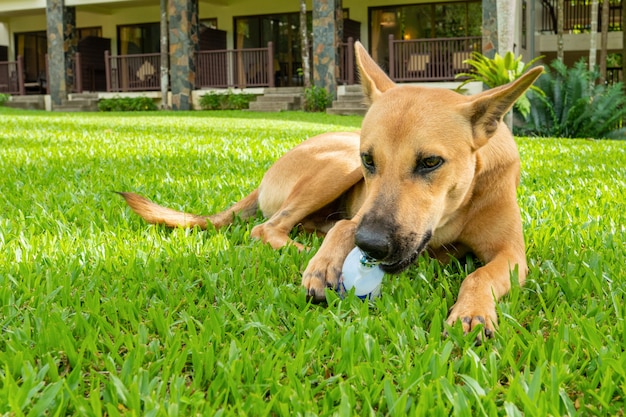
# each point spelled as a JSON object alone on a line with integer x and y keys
{"x": 486, "y": 110}
{"x": 373, "y": 79}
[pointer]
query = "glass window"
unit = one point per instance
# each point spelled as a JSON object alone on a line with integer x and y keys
{"x": 420, "y": 21}
{"x": 139, "y": 39}
{"x": 283, "y": 30}
{"x": 33, "y": 47}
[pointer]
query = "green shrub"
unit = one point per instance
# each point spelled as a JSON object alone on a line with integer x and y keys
{"x": 127, "y": 104}
{"x": 317, "y": 99}
{"x": 572, "y": 106}
{"x": 226, "y": 100}
{"x": 4, "y": 98}
{"x": 497, "y": 71}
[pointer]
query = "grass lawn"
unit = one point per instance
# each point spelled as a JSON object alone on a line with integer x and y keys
{"x": 103, "y": 314}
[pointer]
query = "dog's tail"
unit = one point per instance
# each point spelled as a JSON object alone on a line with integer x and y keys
{"x": 156, "y": 214}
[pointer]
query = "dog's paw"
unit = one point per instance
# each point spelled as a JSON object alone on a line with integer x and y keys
{"x": 472, "y": 315}
{"x": 320, "y": 274}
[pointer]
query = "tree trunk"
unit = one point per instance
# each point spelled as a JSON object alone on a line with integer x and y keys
{"x": 506, "y": 26}
{"x": 604, "y": 40}
{"x": 624, "y": 41}
{"x": 559, "y": 29}
{"x": 593, "y": 49}
{"x": 306, "y": 67}
{"x": 164, "y": 56}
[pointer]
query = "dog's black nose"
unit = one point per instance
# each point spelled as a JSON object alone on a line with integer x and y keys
{"x": 373, "y": 242}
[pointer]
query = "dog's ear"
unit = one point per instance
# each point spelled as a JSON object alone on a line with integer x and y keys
{"x": 486, "y": 109}
{"x": 373, "y": 80}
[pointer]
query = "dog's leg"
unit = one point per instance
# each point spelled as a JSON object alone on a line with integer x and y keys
{"x": 307, "y": 196}
{"x": 324, "y": 270}
{"x": 497, "y": 240}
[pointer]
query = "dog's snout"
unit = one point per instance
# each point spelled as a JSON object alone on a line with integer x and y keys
{"x": 373, "y": 241}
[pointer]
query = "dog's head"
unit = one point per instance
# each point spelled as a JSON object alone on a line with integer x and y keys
{"x": 418, "y": 152}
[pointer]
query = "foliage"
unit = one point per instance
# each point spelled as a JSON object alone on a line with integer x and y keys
{"x": 4, "y": 98}
{"x": 103, "y": 314}
{"x": 497, "y": 71}
{"x": 226, "y": 100}
{"x": 127, "y": 104}
{"x": 317, "y": 99}
{"x": 573, "y": 106}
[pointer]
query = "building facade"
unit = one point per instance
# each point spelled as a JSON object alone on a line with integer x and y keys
{"x": 413, "y": 40}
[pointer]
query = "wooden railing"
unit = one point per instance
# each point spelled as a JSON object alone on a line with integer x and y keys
{"x": 138, "y": 72}
{"x": 614, "y": 75}
{"x": 347, "y": 66}
{"x": 577, "y": 16}
{"x": 438, "y": 59}
{"x": 226, "y": 68}
{"x": 12, "y": 77}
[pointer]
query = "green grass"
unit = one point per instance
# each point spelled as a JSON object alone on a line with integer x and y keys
{"x": 103, "y": 314}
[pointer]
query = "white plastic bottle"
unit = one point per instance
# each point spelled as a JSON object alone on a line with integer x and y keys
{"x": 362, "y": 274}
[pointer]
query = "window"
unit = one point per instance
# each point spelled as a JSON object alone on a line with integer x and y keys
{"x": 138, "y": 39}
{"x": 33, "y": 47}
{"x": 434, "y": 20}
{"x": 283, "y": 30}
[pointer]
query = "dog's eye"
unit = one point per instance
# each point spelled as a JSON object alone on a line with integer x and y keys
{"x": 428, "y": 164}
{"x": 368, "y": 162}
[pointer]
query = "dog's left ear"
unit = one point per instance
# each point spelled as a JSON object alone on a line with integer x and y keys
{"x": 373, "y": 79}
{"x": 486, "y": 110}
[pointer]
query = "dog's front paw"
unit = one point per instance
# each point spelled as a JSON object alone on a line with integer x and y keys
{"x": 475, "y": 313}
{"x": 321, "y": 273}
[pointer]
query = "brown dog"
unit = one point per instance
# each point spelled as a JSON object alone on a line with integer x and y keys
{"x": 431, "y": 169}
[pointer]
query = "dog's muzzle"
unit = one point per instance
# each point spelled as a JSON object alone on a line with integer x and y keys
{"x": 394, "y": 255}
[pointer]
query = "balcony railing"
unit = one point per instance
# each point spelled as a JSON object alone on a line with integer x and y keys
{"x": 577, "y": 16}
{"x": 438, "y": 59}
{"x": 140, "y": 72}
{"x": 226, "y": 68}
{"x": 12, "y": 77}
{"x": 347, "y": 65}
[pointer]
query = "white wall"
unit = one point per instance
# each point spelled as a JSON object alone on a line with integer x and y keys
{"x": 4, "y": 34}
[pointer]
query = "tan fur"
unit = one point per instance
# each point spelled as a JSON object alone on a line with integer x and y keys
{"x": 393, "y": 205}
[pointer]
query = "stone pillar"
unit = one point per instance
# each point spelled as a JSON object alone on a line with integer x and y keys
{"x": 327, "y": 34}
{"x": 62, "y": 44}
{"x": 183, "y": 42}
{"x": 490, "y": 28}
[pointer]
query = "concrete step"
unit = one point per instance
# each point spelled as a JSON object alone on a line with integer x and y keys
{"x": 29, "y": 102}
{"x": 284, "y": 90}
{"x": 340, "y": 104}
{"x": 270, "y": 106}
{"x": 348, "y": 111}
{"x": 77, "y": 104}
{"x": 357, "y": 99}
{"x": 351, "y": 102}
{"x": 279, "y": 99}
{"x": 355, "y": 88}
{"x": 74, "y": 108}
{"x": 25, "y": 105}
{"x": 82, "y": 102}
{"x": 83, "y": 96}
{"x": 273, "y": 98}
